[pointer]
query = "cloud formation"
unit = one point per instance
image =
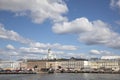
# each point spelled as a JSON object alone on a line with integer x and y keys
{"x": 53, "y": 46}
{"x": 37, "y": 10}
{"x": 34, "y": 48}
{"x": 96, "y": 52}
{"x": 12, "y": 35}
{"x": 101, "y": 52}
{"x": 115, "y": 3}
{"x": 90, "y": 32}
{"x": 10, "y": 47}
{"x": 78, "y": 25}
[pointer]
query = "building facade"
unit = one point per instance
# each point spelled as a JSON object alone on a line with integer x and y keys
{"x": 66, "y": 64}
{"x": 36, "y": 64}
{"x": 104, "y": 64}
{"x": 72, "y": 64}
{"x": 10, "y": 65}
{"x": 75, "y": 64}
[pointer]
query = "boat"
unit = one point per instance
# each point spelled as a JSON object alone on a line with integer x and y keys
{"x": 51, "y": 70}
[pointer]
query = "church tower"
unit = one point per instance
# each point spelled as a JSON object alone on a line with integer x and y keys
{"x": 51, "y": 55}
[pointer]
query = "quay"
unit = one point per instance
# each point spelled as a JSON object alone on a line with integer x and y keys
{"x": 17, "y": 72}
{"x": 92, "y": 72}
{"x": 56, "y": 71}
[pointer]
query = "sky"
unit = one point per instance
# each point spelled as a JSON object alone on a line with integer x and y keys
{"x": 70, "y": 28}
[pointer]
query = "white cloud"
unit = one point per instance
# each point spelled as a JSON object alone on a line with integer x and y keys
{"x": 42, "y": 53}
{"x": 75, "y": 55}
{"x": 107, "y": 52}
{"x": 100, "y": 34}
{"x": 115, "y": 42}
{"x": 33, "y": 47}
{"x": 95, "y": 52}
{"x": 9, "y": 46}
{"x": 78, "y": 25}
{"x": 31, "y": 56}
{"x": 64, "y": 47}
{"x": 12, "y": 35}
{"x": 32, "y": 50}
{"x": 115, "y": 4}
{"x": 40, "y": 45}
{"x": 38, "y": 10}
{"x": 90, "y": 32}
{"x": 53, "y": 46}
{"x": 9, "y": 53}
{"x": 101, "y": 52}
{"x": 27, "y": 52}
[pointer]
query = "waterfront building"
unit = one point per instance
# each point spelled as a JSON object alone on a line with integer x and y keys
{"x": 110, "y": 57}
{"x": 51, "y": 64}
{"x": 103, "y": 64}
{"x": 73, "y": 64}
{"x": 10, "y": 65}
{"x": 36, "y": 64}
{"x": 23, "y": 65}
{"x": 63, "y": 64}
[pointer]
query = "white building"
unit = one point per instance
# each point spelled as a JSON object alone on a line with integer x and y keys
{"x": 105, "y": 64}
{"x": 110, "y": 57}
{"x": 51, "y": 55}
{"x": 12, "y": 65}
{"x": 73, "y": 64}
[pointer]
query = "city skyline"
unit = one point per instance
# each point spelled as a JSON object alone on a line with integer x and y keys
{"x": 70, "y": 28}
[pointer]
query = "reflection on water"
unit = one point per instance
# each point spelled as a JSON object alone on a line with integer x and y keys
{"x": 59, "y": 76}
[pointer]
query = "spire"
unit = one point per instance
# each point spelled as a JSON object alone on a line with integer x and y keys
{"x": 50, "y": 54}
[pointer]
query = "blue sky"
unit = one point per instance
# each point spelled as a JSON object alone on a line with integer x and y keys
{"x": 71, "y": 28}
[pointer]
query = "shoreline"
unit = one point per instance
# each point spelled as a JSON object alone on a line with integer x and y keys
{"x": 57, "y": 72}
{"x": 18, "y": 73}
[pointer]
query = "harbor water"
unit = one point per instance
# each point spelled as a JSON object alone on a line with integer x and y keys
{"x": 60, "y": 76}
